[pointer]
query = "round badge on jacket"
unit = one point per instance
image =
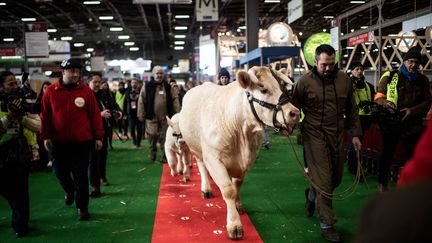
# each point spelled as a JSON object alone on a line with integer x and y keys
{"x": 79, "y": 102}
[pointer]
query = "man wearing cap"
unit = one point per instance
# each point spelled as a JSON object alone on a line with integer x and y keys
{"x": 71, "y": 123}
{"x": 405, "y": 92}
{"x": 364, "y": 93}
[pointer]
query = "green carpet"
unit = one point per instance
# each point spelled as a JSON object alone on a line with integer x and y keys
{"x": 272, "y": 194}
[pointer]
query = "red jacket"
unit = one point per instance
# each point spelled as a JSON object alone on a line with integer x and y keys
{"x": 419, "y": 167}
{"x": 70, "y": 115}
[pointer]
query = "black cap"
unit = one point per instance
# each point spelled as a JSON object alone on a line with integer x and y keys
{"x": 223, "y": 72}
{"x": 356, "y": 64}
{"x": 413, "y": 53}
{"x": 71, "y": 63}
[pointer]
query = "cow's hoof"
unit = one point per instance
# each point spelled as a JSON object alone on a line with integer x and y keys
{"x": 206, "y": 194}
{"x": 235, "y": 233}
{"x": 240, "y": 209}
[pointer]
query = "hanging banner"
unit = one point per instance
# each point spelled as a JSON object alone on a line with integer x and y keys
{"x": 207, "y": 10}
{"x": 295, "y": 10}
{"x": 362, "y": 38}
{"x": 36, "y": 40}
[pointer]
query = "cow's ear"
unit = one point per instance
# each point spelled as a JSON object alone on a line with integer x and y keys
{"x": 243, "y": 79}
{"x": 169, "y": 121}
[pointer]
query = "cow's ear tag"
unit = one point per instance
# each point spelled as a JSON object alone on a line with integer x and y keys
{"x": 243, "y": 79}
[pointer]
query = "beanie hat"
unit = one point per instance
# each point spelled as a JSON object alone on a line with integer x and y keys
{"x": 223, "y": 72}
{"x": 356, "y": 64}
{"x": 413, "y": 53}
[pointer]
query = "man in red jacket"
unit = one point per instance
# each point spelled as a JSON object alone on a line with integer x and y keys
{"x": 71, "y": 125}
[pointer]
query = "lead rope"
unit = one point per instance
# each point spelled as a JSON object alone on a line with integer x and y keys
{"x": 340, "y": 195}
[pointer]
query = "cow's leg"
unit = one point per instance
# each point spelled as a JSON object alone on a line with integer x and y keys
{"x": 186, "y": 169}
{"x": 237, "y": 183}
{"x": 205, "y": 183}
{"x": 220, "y": 175}
{"x": 179, "y": 166}
{"x": 171, "y": 160}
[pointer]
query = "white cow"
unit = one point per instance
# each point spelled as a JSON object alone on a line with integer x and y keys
{"x": 223, "y": 126}
{"x": 176, "y": 149}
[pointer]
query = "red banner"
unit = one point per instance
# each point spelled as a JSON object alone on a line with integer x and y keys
{"x": 37, "y": 27}
{"x": 362, "y": 38}
{"x": 7, "y": 52}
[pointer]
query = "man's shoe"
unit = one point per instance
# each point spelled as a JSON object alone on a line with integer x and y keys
{"x": 95, "y": 192}
{"x": 153, "y": 156}
{"x": 69, "y": 199}
{"x": 331, "y": 234}
{"x": 104, "y": 182}
{"x": 309, "y": 205}
{"x": 83, "y": 215}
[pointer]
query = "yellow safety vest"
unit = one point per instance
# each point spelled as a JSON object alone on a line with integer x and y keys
{"x": 363, "y": 95}
{"x": 392, "y": 93}
{"x": 120, "y": 99}
{"x": 6, "y": 137}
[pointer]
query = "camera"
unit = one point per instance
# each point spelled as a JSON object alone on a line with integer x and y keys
{"x": 17, "y": 101}
{"x": 368, "y": 106}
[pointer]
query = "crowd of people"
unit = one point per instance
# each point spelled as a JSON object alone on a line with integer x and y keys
{"x": 331, "y": 100}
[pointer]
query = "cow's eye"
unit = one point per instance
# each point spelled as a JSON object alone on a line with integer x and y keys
{"x": 264, "y": 91}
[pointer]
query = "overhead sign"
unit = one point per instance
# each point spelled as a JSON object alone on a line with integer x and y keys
{"x": 417, "y": 23}
{"x": 295, "y": 10}
{"x": 36, "y": 40}
{"x": 428, "y": 35}
{"x": 7, "y": 51}
{"x": 207, "y": 10}
{"x": 334, "y": 38}
{"x": 362, "y": 38}
{"x": 162, "y": 1}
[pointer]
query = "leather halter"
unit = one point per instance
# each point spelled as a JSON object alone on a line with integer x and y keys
{"x": 283, "y": 99}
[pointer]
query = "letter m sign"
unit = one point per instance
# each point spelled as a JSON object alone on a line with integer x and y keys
{"x": 207, "y": 10}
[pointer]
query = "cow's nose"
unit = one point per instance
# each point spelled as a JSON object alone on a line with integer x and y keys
{"x": 182, "y": 142}
{"x": 294, "y": 113}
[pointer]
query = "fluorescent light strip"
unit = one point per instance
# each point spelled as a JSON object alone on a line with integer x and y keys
{"x": 129, "y": 43}
{"x": 8, "y": 39}
{"x": 272, "y": 1}
{"x": 116, "y": 29}
{"x": 123, "y": 37}
{"x": 179, "y": 42}
{"x": 51, "y": 30}
{"x": 134, "y": 49}
{"x": 90, "y": 49}
{"x": 106, "y": 17}
{"x": 357, "y": 1}
{"x": 328, "y": 17}
{"x": 182, "y": 16}
{"x": 28, "y": 19}
{"x": 91, "y": 2}
{"x": 178, "y": 47}
{"x": 78, "y": 44}
{"x": 179, "y": 36}
{"x": 2, "y": 4}
{"x": 364, "y": 27}
{"x": 66, "y": 38}
{"x": 180, "y": 27}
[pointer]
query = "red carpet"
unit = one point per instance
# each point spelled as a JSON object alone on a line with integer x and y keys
{"x": 183, "y": 216}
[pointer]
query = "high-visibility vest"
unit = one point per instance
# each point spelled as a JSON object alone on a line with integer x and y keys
{"x": 119, "y": 97}
{"x": 392, "y": 93}
{"x": 6, "y": 137}
{"x": 363, "y": 95}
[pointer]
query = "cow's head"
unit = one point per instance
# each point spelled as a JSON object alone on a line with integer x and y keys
{"x": 174, "y": 124}
{"x": 269, "y": 93}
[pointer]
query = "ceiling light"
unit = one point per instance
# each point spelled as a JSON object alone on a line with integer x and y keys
{"x": 52, "y": 30}
{"x": 300, "y": 33}
{"x": 180, "y": 27}
{"x": 363, "y": 27}
{"x": 106, "y": 17}
{"x": 8, "y": 39}
{"x": 66, "y": 38}
{"x": 116, "y": 29}
{"x": 78, "y": 44}
{"x": 90, "y": 49}
{"x": 179, "y": 42}
{"x": 357, "y": 1}
{"x": 328, "y": 16}
{"x": 123, "y": 37}
{"x": 2, "y": 4}
{"x": 182, "y": 16}
{"x": 178, "y": 47}
{"x": 129, "y": 43}
{"x": 28, "y": 19}
{"x": 91, "y": 2}
{"x": 272, "y": 1}
{"x": 179, "y": 36}
{"x": 134, "y": 49}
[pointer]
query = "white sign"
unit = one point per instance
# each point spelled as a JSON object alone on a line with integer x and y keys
{"x": 334, "y": 38}
{"x": 207, "y": 10}
{"x": 295, "y": 10}
{"x": 207, "y": 55}
{"x": 417, "y": 23}
{"x": 97, "y": 64}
